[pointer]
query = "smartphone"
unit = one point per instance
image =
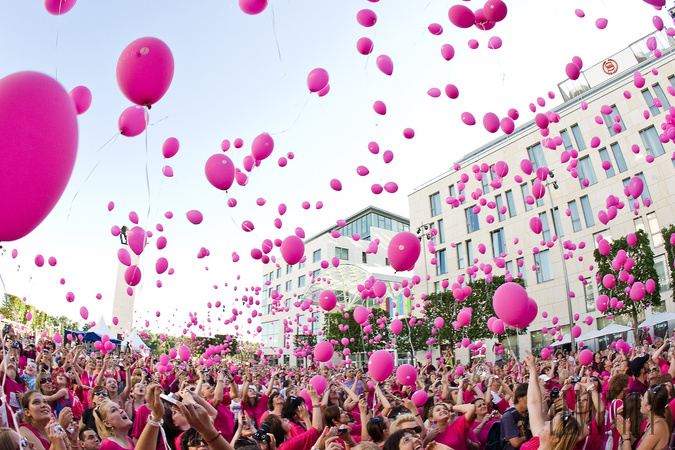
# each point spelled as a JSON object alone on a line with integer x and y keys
{"x": 6, "y": 328}
{"x": 169, "y": 399}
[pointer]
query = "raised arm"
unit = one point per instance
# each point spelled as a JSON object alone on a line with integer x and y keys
{"x": 537, "y": 419}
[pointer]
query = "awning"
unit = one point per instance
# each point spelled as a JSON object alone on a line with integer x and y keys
{"x": 657, "y": 318}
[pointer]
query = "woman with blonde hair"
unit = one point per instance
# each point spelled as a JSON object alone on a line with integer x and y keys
{"x": 39, "y": 425}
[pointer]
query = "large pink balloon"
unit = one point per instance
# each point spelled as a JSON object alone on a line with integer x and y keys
{"x": 170, "y": 147}
{"x": 495, "y": 10}
{"x": 323, "y": 351}
{"x": 292, "y": 249}
{"x": 635, "y": 187}
{"x": 136, "y": 239}
{"x": 419, "y": 398}
{"x": 403, "y": 251}
{"x": 406, "y": 375}
{"x": 252, "y": 7}
{"x": 38, "y": 146}
{"x": 220, "y": 171}
{"x": 262, "y": 146}
{"x": 396, "y": 326}
{"x": 58, "y": 7}
{"x": 124, "y": 257}
{"x": 510, "y": 303}
{"x": 461, "y": 16}
{"x": 585, "y": 357}
{"x": 145, "y": 70}
{"x": 84, "y": 313}
{"x": 132, "y": 275}
{"x": 161, "y": 265}
{"x": 385, "y": 64}
{"x": 381, "y": 365}
{"x": 536, "y": 225}
{"x": 361, "y": 315}
{"x": 184, "y": 353}
{"x": 317, "y": 80}
{"x": 132, "y": 121}
{"x": 364, "y": 46}
{"x": 319, "y": 383}
{"x": 491, "y": 122}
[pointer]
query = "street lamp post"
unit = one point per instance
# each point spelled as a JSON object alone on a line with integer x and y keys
{"x": 564, "y": 261}
{"x": 423, "y": 231}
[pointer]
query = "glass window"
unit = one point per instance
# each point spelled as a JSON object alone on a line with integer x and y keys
{"x": 588, "y": 211}
{"x": 604, "y": 155}
{"x": 525, "y": 189}
{"x": 536, "y": 154}
{"x": 545, "y": 227}
{"x": 618, "y": 156}
{"x": 432, "y": 225}
{"x": 510, "y": 266}
{"x": 278, "y": 272}
{"x": 651, "y": 141}
{"x": 521, "y": 271}
{"x": 540, "y": 201}
{"x": 472, "y": 223}
{"x": 486, "y": 183}
{"x": 653, "y": 109}
{"x": 441, "y": 268}
{"x": 386, "y": 261}
{"x": 585, "y": 169}
{"x": 589, "y": 295}
{"x": 567, "y": 142}
{"x": 469, "y": 252}
{"x": 461, "y": 262}
{"x": 500, "y": 204}
{"x": 342, "y": 253}
{"x": 544, "y": 267}
{"x": 557, "y": 223}
{"x": 645, "y": 191}
{"x": 437, "y": 287}
{"x": 453, "y": 191}
{"x": 289, "y": 269}
{"x": 316, "y": 256}
{"x": 581, "y": 144}
{"x": 661, "y": 266}
{"x": 576, "y": 219}
{"x": 289, "y": 285}
{"x": 661, "y": 96}
{"x": 301, "y": 281}
{"x": 611, "y": 118}
{"x": 498, "y": 242}
{"x": 364, "y": 257}
{"x": 657, "y": 237}
{"x": 301, "y": 264}
{"x": 316, "y": 273}
{"x": 510, "y": 203}
{"x": 441, "y": 232}
{"x": 435, "y": 201}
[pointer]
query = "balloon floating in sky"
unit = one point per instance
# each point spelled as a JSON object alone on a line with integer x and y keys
{"x": 145, "y": 71}
{"x": 133, "y": 121}
{"x": 385, "y": 64}
{"x": 81, "y": 97}
{"x": 59, "y": 7}
{"x": 220, "y": 171}
{"x": 317, "y": 80}
{"x": 252, "y": 7}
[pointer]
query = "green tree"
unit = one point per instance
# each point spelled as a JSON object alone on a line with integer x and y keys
{"x": 667, "y": 232}
{"x": 332, "y": 332}
{"x": 643, "y": 269}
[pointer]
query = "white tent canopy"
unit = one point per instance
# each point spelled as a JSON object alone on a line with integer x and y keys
{"x": 135, "y": 341}
{"x": 613, "y": 328}
{"x": 657, "y": 318}
{"x": 101, "y": 328}
{"x": 565, "y": 340}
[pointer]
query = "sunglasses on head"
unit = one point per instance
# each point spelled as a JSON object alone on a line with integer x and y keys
{"x": 103, "y": 393}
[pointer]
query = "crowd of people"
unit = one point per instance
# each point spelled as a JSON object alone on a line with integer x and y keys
{"x": 58, "y": 397}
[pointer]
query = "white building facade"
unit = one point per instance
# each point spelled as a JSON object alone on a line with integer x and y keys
{"x": 571, "y": 210}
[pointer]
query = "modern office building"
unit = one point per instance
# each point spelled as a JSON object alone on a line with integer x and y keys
{"x": 603, "y": 106}
{"x": 284, "y": 317}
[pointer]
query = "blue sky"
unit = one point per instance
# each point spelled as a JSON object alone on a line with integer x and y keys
{"x": 238, "y": 76}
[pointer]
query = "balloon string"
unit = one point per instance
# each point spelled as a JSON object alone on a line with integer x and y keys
{"x": 110, "y": 141}
{"x": 2, "y": 282}
{"x": 302, "y": 109}
{"x": 276, "y": 40}
{"x": 56, "y": 47}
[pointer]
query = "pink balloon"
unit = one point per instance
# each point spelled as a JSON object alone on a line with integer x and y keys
{"x": 468, "y": 118}
{"x": 637, "y": 291}
{"x": 132, "y": 121}
{"x": 601, "y": 23}
{"x": 635, "y": 187}
{"x": 137, "y": 239}
{"x": 195, "y": 217}
{"x": 84, "y": 313}
{"x": 132, "y": 275}
{"x": 161, "y": 265}
{"x": 511, "y": 303}
{"x": 495, "y": 10}
{"x": 380, "y": 108}
{"x": 491, "y": 122}
{"x": 406, "y": 375}
{"x": 327, "y": 300}
{"x": 124, "y": 257}
{"x": 317, "y": 80}
{"x": 81, "y": 96}
{"x": 451, "y": 91}
{"x": 447, "y": 52}
{"x": 385, "y": 64}
{"x": 461, "y": 16}
{"x": 145, "y": 71}
{"x": 396, "y": 326}
{"x": 292, "y": 250}
{"x": 526, "y": 166}
{"x": 184, "y": 353}
{"x": 37, "y": 150}
{"x": 507, "y": 125}
{"x": 403, "y": 251}
{"x": 366, "y": 18}
{"x": 498, "y": 326}
{"x": 59, "y": 7}
{"x": 536, "y": 225}
{"x": 380, "y": 365}
{"x": 585, "y": 357}
{"x": 420, "y": 398}
{"x": 220, "y": 171}
{"x": 572, "y": 71}
{"x": 323, "y": 351}
{"x": 70, "y": 297}
{"x": 361, "y": 315}
{"x": 495, "y": 43}
{"x": 263, "y": 145}
{"x": 319, "y": 383}
{"x": 252, "y": 7}
{"x": 364, "y": 46}
{"x": 170, "y": 147}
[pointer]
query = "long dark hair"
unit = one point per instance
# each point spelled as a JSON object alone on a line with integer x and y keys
{"x": 394, "y": 439}
{"x": 276, "y": 428}
{"x": 291, "y": 406}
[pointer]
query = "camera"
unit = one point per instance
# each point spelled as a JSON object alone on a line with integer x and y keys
{"x": 555, "y": 393}
{"x": 16, "y": 345}
{"x": 6, "y": 328}
{"x": 261, "y": 434}
{"x": 575, "y": 380}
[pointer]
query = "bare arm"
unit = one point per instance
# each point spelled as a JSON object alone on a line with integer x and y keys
{"x": 537, "y": 420}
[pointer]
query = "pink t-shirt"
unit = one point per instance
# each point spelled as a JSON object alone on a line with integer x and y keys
{"x": 455, "y": 435}
{"x": 303, "y": 441}
{"x": 256, "y": 412}
{"x": 532, "y": 444}
{"x": 140, "y": 420}
{"x": 483, "y": 435}
{"x": 107, "y": 444}
{"x": 224, "y": 421}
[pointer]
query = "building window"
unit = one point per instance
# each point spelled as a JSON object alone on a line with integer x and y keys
{"x": 581, "y": 144}
{"x": 585, "y": 170}
{"x": 525, "y": 189}
{"x": 500, "y": 204}
{"x": 611, "y": 118}
{"x": 567, "y": 142}
{"x": 661, "y": 266}
{"x": 574, "y": 215}
{"x": 441, "y": 268}
{"x": 604, "y": 155}
{"x": 469, "y": 252}
{"x": 510, "y": 203}
{"x": 639, "y": 224}
{"x": 498, "y": 242}
{"x": 301, "y": 281}
{"x": 279, "y": 272}
{"x": 364, "y": 257}
{"x": 342, "y": 253}
{"x": 588, "y": 211}
{"x": 545, "y": 227}
{"x": 540, "y": 201}
{"x": 510, "y": 266}
{"x": 386, "y": 262}
{"x": 557, "y": 223}
{"x": 589, "y": 295}
{"x": 437, "y": 287}
{"x": 536, "y": 154}
{"x": 653, "y": 109}
{"x": 472, "y": 223}
{"x": 441, "y": 232}
{"x": 521, "y": 271}
{"x": 301, "y": 264}
{"x": 486, "y": 183}
{"x": 661, "y": 96}
{"x": 453, "y": 191}
{"x": 316, "y": 256}
{"x": 544, "y": 268}
{"x": 289, "y": 269}
{"x": 289, "y": 285}
{"x": 645, "y": 191}
{"x": 657, "y": 237}
{"x": 651, "y": 141}
{"x": 435, "y": 201}
{"x": 461, "y": 262}
{"x": 316, "y": 273}
{"x": 618, "y": 156}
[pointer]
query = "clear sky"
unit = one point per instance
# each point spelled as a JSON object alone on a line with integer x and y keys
{"x": 237, "y": 76}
